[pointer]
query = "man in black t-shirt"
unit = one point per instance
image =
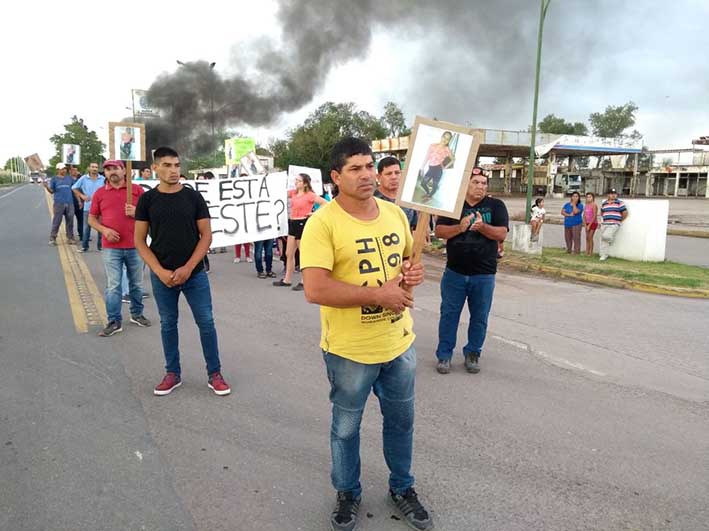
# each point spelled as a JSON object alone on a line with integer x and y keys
{"x": 177, "y": 219}
{"x": 470, "y": 271}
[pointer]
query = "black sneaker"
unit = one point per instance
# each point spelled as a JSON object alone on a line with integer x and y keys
{"x": 140, "y": 320}
{"x": 411, "y": 509}
{"x": 281, "y": 284}
{"x": 298, "y": 287}
{"x": 471, "y": 362}
{"x": 261, "y": 274}
{"x": 113, "y": 327}
{"x": 443, "y": 366}
{"x": 125, "y": 299}
{"x": 344, "y": 517}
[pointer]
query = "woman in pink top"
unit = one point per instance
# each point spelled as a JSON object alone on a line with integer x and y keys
{"x": 590, "y": 221}
{"x": 302, "y": 200}
{"x": 438, "y": 158}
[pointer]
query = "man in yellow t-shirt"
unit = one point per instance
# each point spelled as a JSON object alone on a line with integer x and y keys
{"x": 354, "y": 255}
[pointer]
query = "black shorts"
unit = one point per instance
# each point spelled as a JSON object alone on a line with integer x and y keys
{"x": 295, "y": 227}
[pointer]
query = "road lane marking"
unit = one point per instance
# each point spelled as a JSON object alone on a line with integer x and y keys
{"x": 85, "y": 301}
{"x": 10, "y": 193}
{"x": 551, "y": 359}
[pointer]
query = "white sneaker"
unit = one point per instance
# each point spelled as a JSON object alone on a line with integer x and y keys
{"x": 249, "y": 260}
{"x": 237, "y": 260}
{"x": 603, "y": 258}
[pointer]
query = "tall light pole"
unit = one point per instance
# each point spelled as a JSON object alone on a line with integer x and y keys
{"x": 544, "y": 4}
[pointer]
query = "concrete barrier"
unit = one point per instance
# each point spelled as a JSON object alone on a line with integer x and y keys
{"x": 522, "y": 239}
{"x": 642, "y": 236}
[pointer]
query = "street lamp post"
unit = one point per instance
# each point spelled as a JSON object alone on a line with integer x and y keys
{"x": 544, "y": 4}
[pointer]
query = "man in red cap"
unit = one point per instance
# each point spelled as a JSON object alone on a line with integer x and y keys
{"x": 114, "y": 218}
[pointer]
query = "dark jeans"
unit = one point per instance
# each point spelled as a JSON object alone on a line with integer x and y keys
{"x": 572, "y": 235}
{"x": 455, "y": 289}
{"x": 87, "y": 234}
{"x": 114, "y": 260}
{"x": 265, "y": 247}
{"x": 66, "y": 211}
{"x": 350, "y": 385}
{"x": 79, "y": 213}
{"x": 199, "y": 298}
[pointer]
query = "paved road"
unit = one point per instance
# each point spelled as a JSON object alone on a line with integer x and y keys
{"x": 590, "y": 413}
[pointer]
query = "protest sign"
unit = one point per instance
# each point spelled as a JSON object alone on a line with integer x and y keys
{"x": 243, "y": 210}
{"x": 71, "y": 154}
{"x": 314, "y": 174}
{"x": 34, "y": 162}
{"x": 235, "y": 148}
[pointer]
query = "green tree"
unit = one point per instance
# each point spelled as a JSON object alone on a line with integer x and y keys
{"x": 14, "y": 163}
{"x": 554, "y": 125}
{"x": 76, "y": 132}
{"x": 310, "y": 143}
{"x": 614, "y": 121}
{"x": 393, "y": 120}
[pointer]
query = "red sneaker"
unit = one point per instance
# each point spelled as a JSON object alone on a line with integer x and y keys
{"x": 169, "y": 382}
{"x": 218, "y": 385}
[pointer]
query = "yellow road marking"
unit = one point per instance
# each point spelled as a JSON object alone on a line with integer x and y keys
{"x": 85, "y": 300}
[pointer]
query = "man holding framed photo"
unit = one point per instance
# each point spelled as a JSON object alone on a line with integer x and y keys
{"x": 471, "y": 247}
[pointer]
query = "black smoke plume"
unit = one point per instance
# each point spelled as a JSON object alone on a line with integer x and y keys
{"x": 475, "y": 56}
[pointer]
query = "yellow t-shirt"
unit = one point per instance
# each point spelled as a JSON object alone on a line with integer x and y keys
{"x": 363, "y": 253}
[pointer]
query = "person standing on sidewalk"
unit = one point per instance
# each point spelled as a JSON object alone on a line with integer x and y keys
{"x": 573, "y": 222}
{"x": 60, "y": 187}
{"x": 471, "y": 265}
{"x": 355, "y": 266}
{"x": 613, "y": 213}
{"x": 113, "y": 217}
{"x": 590, "y": 221}
{"x": 177, "y": 218}
{"x": 84, "y": 189}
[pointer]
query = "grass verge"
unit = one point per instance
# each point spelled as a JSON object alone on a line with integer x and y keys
{"x": 660, "y": 274}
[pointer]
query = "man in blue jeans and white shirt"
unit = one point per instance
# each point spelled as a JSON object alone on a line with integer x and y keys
{"x": 471, "y": 249}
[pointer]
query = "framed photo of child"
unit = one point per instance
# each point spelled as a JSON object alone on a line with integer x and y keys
{"x": 126, "y": 141}
{"x": 71, "y": 154}
{"x": 439, "y": 161}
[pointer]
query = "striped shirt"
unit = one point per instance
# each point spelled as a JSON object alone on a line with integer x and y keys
{"x": 612, "y": 212}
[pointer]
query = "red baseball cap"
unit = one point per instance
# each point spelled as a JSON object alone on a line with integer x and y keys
{"x": 116, "y": 163}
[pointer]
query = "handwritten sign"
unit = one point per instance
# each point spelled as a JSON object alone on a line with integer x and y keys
{"x": 242, "y": 210}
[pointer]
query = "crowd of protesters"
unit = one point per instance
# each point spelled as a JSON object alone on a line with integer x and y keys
{"x": 367, "y": 337}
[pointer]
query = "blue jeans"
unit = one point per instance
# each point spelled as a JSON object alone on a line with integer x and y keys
{"x": 113, "y": 262}
{"x": 199, "y": 297}
{"x": 265, "y": 247}
{"x": 350, "y": 385}
{"x": 87, "y": 234}
{"x": 455, "y": 289}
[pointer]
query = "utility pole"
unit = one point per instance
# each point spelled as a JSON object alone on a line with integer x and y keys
{"x": 544, "y": 4}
